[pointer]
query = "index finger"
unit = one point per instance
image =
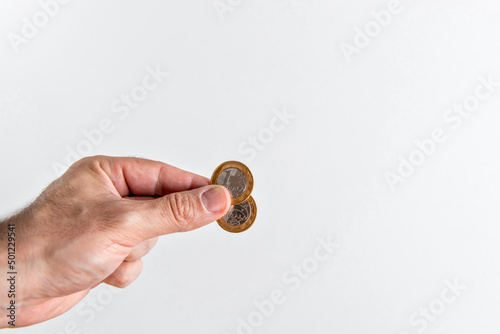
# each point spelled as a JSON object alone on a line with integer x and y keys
{"x": 142, "y": 177}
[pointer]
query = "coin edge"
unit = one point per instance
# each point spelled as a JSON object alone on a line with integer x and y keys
{"x": 246, "y": 171}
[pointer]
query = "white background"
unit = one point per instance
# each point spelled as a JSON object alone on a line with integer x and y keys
{"x": 322, "y": 176}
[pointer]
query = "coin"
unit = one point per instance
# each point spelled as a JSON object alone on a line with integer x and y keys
{"x": 237, "y": 178}
{"x": 240, "y": 217}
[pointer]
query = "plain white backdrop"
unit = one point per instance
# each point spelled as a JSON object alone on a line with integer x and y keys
{"x": 320, "y": 174}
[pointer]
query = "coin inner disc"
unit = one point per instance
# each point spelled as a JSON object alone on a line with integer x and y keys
{"x": 234, "y": 180}
{"x": 239, "y": 214}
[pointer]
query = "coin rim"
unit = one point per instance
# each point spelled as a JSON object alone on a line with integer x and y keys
{"x": 246, "y": 171}
{"x": 246, "y": 225}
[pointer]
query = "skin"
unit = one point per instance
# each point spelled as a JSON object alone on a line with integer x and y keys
{"x": 93, "y": 225}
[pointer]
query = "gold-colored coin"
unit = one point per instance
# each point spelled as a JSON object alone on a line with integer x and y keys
{"x": 237, "y": 178}
{"x": 240, "y": 217}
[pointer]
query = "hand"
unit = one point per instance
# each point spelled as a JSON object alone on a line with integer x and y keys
{"x": 94, "y": 224}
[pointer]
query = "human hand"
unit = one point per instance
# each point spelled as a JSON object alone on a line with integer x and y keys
{"x": 94, "y": 224}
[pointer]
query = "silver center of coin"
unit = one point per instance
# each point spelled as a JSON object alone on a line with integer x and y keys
{"x": 239, "y": 214}
{"x": 234, "y": 180}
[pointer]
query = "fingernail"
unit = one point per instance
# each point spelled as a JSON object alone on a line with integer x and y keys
{"x": 214, "y": 199}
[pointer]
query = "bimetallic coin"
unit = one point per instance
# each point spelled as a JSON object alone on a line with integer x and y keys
{"x": 234, "y": 180}
{"x": 238, "y": 214}
{"x": 237, "y": 178}
{"x": 240, "y": 217}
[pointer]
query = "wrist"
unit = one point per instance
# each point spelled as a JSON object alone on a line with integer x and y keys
{"x": 7, "y": 290}
{"x": 3, "y": 260}
{"x": 16, "y": 264}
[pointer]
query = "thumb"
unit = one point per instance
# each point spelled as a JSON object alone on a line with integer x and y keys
{"x": 184, "y": 211}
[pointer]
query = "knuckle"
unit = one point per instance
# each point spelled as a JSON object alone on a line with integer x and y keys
{"x": 91, "y": 161}
{"x": 86, "y": 161}
{"x": 142, "y": 249}
{"x": 181, "y": 210}
{"x": 121, "y": 280}
{"x": 147, "y": 245}
{"x": 127, "y": 276}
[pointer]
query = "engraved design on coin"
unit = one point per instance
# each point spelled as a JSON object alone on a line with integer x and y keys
{"x": 238, "y": 215}
{"x": 234, "y": 180}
